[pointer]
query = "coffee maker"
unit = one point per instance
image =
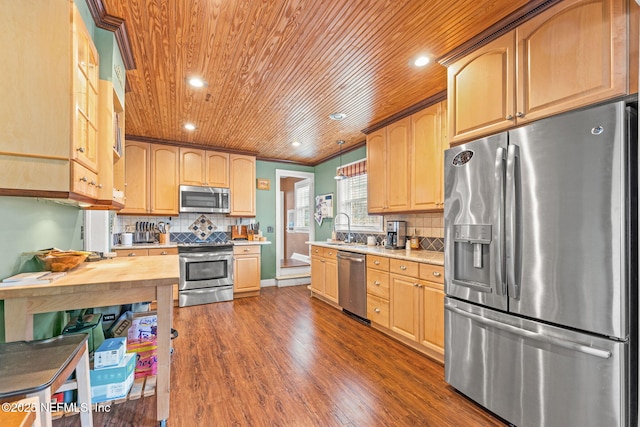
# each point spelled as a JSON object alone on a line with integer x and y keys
{"x": 396, "y": 234}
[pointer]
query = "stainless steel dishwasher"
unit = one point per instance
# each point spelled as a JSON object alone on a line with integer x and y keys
{"x": 352, "y": 283}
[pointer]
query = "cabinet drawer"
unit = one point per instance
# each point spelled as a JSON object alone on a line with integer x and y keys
{"x": 378, "y": 283}
{"x": 131, "y": 252}
{"x": 378, "y": 262}
{"x": 83, "y": 181}
{"x": 432, "y": 273}
{"x": 163, "y": 251}
{"x": 406, "y": 268}
{"x": 246, "y": 250}
{"x": 330, "y": 253}
{"x": 317, "y": 250}
{"x": 378, "y": 310}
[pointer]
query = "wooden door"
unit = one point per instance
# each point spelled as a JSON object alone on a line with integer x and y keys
{"x": 192, "y": 166}
{"x": 569, "y": 56}
{"x": 398, "y": 169}
{"x": 217, "y": 169}
{"x": 481, "y": 90}
{"x": 246, "y": 273}
{"x": 317, "y": 274}
{"x": 432, "y": 316}
{"x": 377, "y": 171}
{"x": 242, "y": 185}
{"x": 404, "y": 306}
{"x": 331, "y": 280}
{"x": 136, "y": 177}
{"x": 164, "y": 179}
{"x": 426, "y": 159}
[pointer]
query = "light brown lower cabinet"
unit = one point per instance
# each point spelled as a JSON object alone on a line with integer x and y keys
{"x": 246, "y": 270}
{"x": 133, "y": 251}
{"x": 324, "y": 273}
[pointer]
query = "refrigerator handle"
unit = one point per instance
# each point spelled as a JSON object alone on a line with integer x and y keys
{"x": 511, "y": 217}
{"x": 498, "y": 222}
{"x": 536, "y": 336}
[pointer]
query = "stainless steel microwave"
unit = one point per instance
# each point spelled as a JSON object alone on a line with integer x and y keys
{"x": 204, "y": 199}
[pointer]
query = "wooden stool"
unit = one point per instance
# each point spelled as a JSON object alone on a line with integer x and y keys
{"x": 38, "y": 368}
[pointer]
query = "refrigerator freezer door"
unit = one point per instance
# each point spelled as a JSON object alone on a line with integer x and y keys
{"x": 533, "y": 374}
{"x": 565, "y": 221}
{"x": 473, "y": 219}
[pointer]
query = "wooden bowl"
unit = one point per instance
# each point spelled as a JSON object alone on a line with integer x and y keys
{"x": 61, "y": 260}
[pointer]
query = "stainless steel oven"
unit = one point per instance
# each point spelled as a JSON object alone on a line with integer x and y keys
{"x": 206, "y": 273}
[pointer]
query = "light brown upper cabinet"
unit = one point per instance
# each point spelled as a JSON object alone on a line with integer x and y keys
{"x": 151, "y": 174}
{"x": 49, "y": 118}
{"x": 242, "y": 185}
{"x": 203, "y": 167}
{"x": 428, "y": 142}
{"x": 571, "y": 55}
{"x": 388, "y": 166}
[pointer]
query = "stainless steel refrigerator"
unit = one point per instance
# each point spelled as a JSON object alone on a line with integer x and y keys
{"x": 541, "y": 265}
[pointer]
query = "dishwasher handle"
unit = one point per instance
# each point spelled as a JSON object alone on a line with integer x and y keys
{"x": 350, "y": 257}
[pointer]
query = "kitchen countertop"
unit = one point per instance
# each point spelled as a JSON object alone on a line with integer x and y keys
{"x": 427, "y": 257}
{"x": 175, "y": 244}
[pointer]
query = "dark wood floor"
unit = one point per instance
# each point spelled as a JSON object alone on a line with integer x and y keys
{"x": 285, "y": 359}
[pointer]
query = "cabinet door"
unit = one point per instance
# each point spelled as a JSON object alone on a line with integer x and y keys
{"x": 317, "y": 274}
{"x": 426, "y": 159}
{"x": 164, "y": 179}
{"x": 398, "y": 169}
{"x": 376, "y": 171}
{"x": 243, "y": 185}
{"x": 481, "y": 90}
{"x": 217, "y": 169}
{"x": 331, "y": 280}
{"x": 85, "y": 90}
{"x": 571, "y": 55}
{"x": 192, "y": 166}
{"x": 432, "y": 316}
{"x": 246, "y": 273}
{"x": 136, "y": 177}
{"x": 404, "y": 306}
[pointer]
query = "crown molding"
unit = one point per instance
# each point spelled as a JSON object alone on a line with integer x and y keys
{"x": 117, "y": 26}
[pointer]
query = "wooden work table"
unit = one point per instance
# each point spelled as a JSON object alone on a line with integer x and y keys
{"x": 110, "y": 282}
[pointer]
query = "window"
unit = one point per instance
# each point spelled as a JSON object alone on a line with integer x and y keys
{"x": 302, "y": 214}
{"x": 352, "y": 200}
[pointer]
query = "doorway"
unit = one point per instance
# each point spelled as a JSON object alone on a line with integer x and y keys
{"x": 294, "y": 226}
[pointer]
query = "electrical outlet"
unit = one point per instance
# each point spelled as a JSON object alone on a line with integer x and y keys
{"x": 269, "y": 229}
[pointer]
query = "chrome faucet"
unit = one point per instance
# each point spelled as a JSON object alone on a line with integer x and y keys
{"x": 348, "y": 239}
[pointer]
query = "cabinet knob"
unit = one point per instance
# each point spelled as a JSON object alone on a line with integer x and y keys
{"x": 376, "y": 262}
{"x": 509, "y": 117}
{"x": 164, "y": 253}
{"x": 519, "y": 114}
{"x": 436, "y": 273}
{"x": 403, "y": 267}
{"x": 377, "y": 283}
{"x": 92, "y": 183}
{"x": 416, "y": 285}
{"x": 99, "y": 185}
{"x": 247, "y": 250}
{"x": 330, "y": 253}
{"x": 377, "y": 310}
{"x": 132, "y": 254}
{"x": 80, "y": 149}
{"x": 84, "y": 179}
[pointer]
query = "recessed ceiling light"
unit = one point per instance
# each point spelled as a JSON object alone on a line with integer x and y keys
{"x": 295, "y": 144}
{"x": 189, "y": 126}
{"x": 421, "y": 61}
{"x": 337, "y": 116}
{"x": 196, "y": 82}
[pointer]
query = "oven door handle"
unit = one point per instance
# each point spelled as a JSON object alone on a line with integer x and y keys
{"x": 204, "y": 256}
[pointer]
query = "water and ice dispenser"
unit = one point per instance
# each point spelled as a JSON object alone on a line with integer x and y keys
{"x": 472, "y": 255}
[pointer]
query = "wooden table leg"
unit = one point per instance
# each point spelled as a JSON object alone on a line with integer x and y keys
{"x": 18, "y": 322}
{"x": 165, "y": 305}
{"x": 84, "y": 388}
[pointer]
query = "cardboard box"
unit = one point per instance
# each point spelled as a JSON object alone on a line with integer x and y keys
{"x": 114, "y": 382}
{"x": 110, "y": 353}
{"x": 142, "y": 340}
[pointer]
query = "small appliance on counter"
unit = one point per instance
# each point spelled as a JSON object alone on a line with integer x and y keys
{"x": 396, "y": 234}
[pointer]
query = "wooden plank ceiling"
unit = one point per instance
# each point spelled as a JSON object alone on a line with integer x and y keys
{"x": 276, "y": 69}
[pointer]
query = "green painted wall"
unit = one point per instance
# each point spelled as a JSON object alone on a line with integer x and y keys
{"x": 28, "y": 224}
{"x": 325, "y": 183}
{"x": 266, "y": 212}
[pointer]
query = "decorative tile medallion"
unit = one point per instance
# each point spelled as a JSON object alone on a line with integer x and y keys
{"x": 202, "y": 227}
